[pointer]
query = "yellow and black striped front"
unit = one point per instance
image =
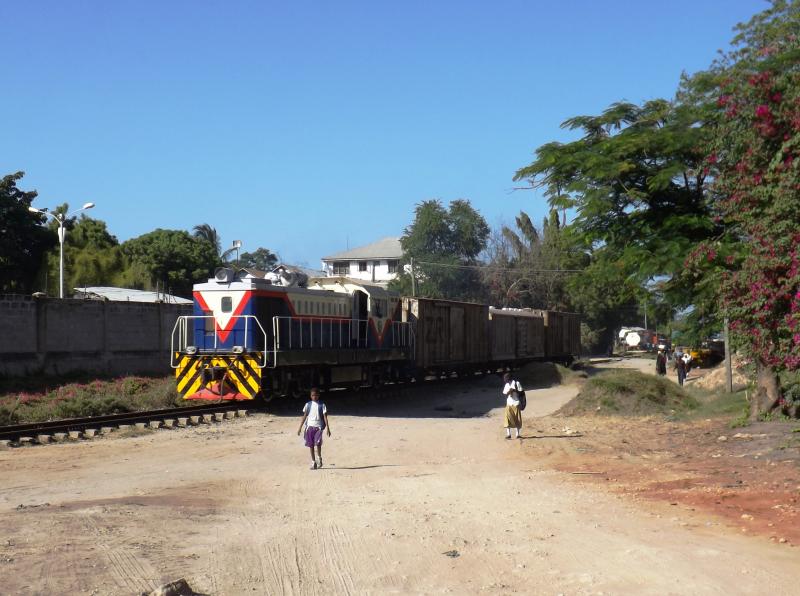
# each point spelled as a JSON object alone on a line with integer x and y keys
{"x": 234, "y": 376}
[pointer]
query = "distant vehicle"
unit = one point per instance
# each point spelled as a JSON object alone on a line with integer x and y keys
{"x": 710, "y": 353}
{"x": 639, "y": 338}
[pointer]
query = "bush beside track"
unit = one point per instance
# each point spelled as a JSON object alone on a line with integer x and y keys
{"x": 54, "y": 399}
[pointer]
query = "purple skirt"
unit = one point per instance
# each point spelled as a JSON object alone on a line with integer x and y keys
{"x": 313, "y": 436}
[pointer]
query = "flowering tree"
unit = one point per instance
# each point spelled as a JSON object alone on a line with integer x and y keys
{"x": 756, "y": 157}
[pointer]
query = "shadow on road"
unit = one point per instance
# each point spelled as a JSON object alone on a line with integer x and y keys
{"x": 466, "y": 397}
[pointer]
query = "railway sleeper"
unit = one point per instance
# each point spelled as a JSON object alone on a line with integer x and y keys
{"x": 106, "y": 430}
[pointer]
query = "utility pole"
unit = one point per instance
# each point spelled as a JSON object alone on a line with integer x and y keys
{"x": 728, "y": 366}
{"x": 61, "y": 218}
{"x": 413, "y": 280}
{"x": 645, "y": 314}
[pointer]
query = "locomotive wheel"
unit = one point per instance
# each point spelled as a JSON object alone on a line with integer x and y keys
{"x": 293, "y": 391}
{"x": 265, "y": 397}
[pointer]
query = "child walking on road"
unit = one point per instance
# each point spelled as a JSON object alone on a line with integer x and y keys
{"x": 513, "y": 414}
{"x": 315, "y": 417}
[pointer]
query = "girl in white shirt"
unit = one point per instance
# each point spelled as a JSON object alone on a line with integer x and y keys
{"x": 513, "y": 415}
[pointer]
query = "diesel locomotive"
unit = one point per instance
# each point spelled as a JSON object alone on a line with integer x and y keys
{"x": 254, "y": 337}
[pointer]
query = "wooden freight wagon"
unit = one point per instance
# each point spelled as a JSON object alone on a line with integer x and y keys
{"x": 449, "y": 336}
{"x": 562, "y": 334}
{"x": 516, "y": 334}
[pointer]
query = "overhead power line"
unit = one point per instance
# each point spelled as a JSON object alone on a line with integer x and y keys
{"x": 496, "y": 268}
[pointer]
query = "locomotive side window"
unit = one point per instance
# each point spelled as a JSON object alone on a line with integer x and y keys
{"x": 227, "y": 304}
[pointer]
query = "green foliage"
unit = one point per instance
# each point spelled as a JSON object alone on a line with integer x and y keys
{"x": 635, "y": 182}
{"x": 444, "y": 244}
{"x": 606, "y": 295}
{"x": 207, "y": 233}
{"x": 24, "y": 241}
{"x": 756, "y": 156}
{"x": 637, "y": 187}
{"x": 524, "y": 264}
{"x": 171, "y": 257}
{"x": 91, "y": 255}
{"x": 262, "y": 259}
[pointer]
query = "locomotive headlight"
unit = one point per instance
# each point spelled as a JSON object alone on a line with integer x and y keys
{"x": 191, "y": 349}
{"x": 237, "y": 349}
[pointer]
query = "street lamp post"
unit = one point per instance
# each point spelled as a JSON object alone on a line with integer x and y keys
{"x": 60, "y": 218}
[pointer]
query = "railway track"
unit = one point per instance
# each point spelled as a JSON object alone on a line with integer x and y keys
{"x": 75, "y": 429}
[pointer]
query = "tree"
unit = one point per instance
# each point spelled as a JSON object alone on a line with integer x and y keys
{"x": 524, "y": 265}
{"x": 445, "y": 244}
{"x": 208, "y": 234}
{"x": 635, "y": 181}
{"x": 92, "y": 256}
{"x": 637, "y": 186}
{"x": 171, "y": 258}
{"x": 262, "y": 259}
{"x": 755, "y": 153}
{"x": 24, "y": 241}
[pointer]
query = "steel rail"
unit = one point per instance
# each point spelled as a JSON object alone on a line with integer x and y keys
{"x": 15, "y": 431}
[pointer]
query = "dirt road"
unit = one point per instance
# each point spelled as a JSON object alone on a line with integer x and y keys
{"x": 419, "y": 495}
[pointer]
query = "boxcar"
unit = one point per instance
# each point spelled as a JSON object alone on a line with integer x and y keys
{"x": 516, "y": 335}
{"x": 449, "y": 336}
{"x": 562, "y": 334}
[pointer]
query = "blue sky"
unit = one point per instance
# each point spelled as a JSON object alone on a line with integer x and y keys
{"x": 308, "y": 127}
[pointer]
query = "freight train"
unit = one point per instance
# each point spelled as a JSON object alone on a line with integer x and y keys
{"x": 251, "y": 337}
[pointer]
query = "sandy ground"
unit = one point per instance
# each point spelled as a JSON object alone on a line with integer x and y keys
{"x": 420, "y": 493}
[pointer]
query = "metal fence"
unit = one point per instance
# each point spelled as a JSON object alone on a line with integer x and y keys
{"x": 184, "y": 336}
{"x": 288, "y": 333}
{"x": 317, "y": 332}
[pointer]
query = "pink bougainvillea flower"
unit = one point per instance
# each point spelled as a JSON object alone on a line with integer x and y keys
{"x": 762, "y": 111}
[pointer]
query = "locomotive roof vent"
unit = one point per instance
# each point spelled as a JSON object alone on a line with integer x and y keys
{"x": 223, "y": 274}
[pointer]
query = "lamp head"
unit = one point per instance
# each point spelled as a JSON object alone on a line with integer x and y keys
{"x": 88, "y": 206}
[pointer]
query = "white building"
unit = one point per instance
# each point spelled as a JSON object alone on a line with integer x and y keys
{"x": 377, "y": 262}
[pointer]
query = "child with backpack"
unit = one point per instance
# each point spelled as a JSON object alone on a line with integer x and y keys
{"x": 315, "y": 418}
{"x": 515, "y": 403}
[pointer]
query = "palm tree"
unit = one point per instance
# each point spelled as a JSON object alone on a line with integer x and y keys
{"x": 209, "y": 234}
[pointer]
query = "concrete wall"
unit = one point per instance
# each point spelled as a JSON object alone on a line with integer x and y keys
{"x": 51, "y": 336}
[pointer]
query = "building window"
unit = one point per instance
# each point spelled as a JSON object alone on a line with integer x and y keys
{"x": 341, "y": 267}
{"x": 392, "y": 266}
{"x": 362, "y": 266}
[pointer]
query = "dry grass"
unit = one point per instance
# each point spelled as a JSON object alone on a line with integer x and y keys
{"x": 629, "y": 392}
{"x": 57, "y": 399}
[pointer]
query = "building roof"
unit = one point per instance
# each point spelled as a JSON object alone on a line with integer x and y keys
{"x": 127, "y": 295}
{"x": 386, "y": 248}
{"x": 307, "y": 270}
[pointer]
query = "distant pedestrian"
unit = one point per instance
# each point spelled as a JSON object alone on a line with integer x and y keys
{"x": 513, "y": 414}
{"x": 687, "y": 362}
{"x": 661, "y": 363}
{"x": 315, "y": 418}
{"x": 680, "y": 367}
